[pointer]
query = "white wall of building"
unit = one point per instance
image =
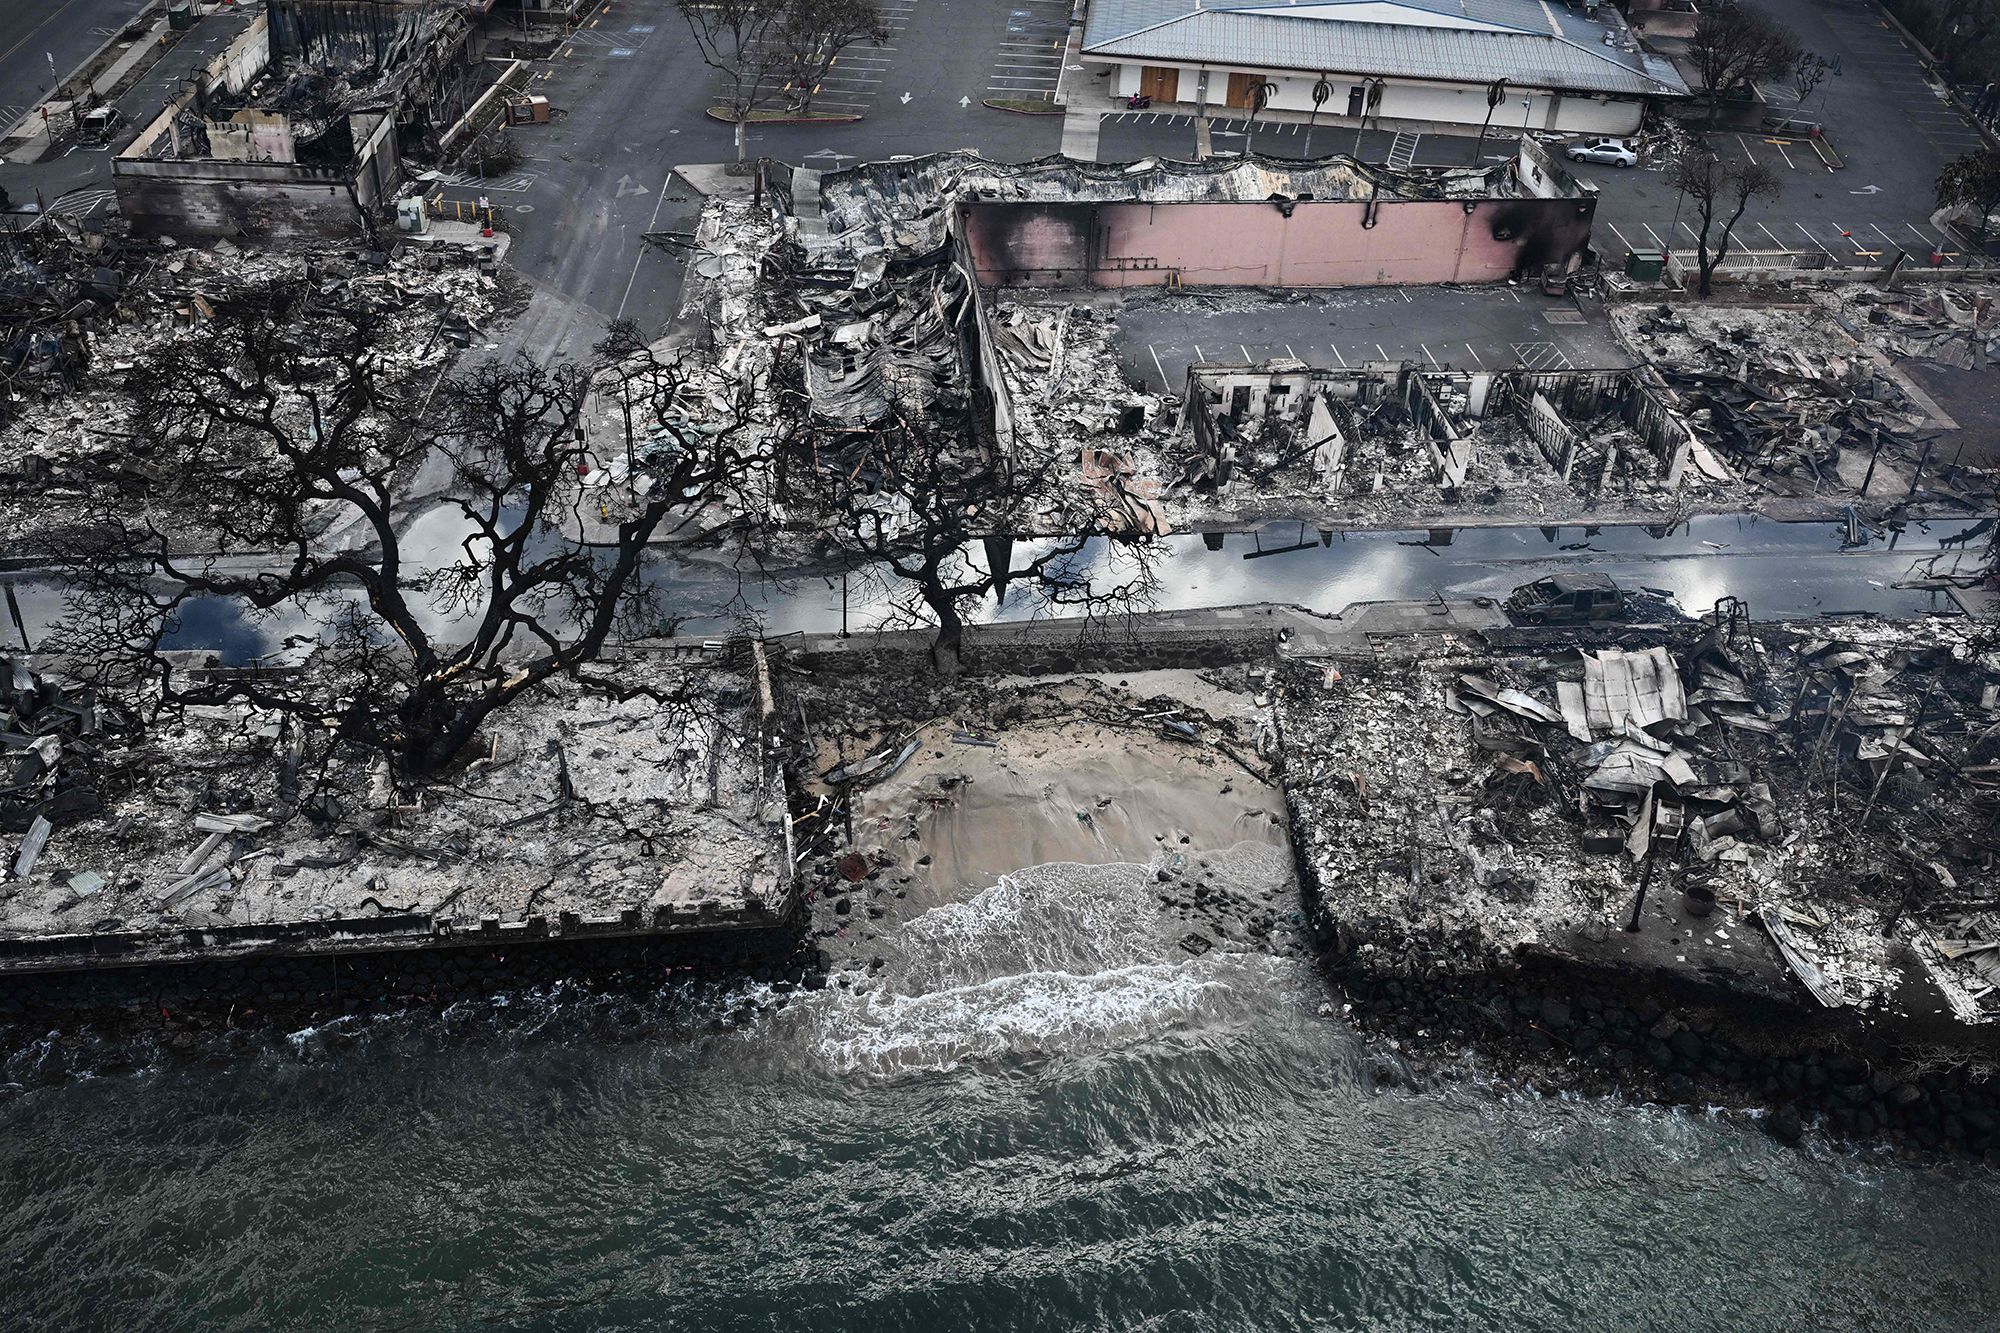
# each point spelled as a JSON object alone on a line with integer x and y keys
{"x": 1414, "y": 100}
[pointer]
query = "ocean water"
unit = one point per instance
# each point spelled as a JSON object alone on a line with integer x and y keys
{"x": 1041, "y": 1113}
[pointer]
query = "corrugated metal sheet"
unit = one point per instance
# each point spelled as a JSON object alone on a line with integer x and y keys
{"x": 1266, "y": 37}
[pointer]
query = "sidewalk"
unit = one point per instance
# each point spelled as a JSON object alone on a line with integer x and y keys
{"x": 713, "y": 179}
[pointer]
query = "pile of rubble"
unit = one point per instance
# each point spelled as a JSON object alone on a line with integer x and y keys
{"x": 59, "y": 282}
{"x": 434, "y": 302}
{"x": 1760, "y": 803}
{"x": 50, "y": 739}
{"x": 589, "y": 799}
{"x": 1946, "y": 325}
{"x": 1072, "y": 400}
{"x": 1804, "y": 402}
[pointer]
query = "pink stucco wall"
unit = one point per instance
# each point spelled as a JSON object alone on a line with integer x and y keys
{"x": 1322, "y": 244}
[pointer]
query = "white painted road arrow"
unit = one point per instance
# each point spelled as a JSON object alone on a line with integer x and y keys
{"x": 625, "y": 187}
{"x": 906, "y": 99}
{"x": 963, "y": 101}
{"x": 1870, "y": 189}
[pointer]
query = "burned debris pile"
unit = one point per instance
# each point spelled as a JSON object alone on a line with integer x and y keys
{"x": 52, "y": 762}
{"x": 1805, "y": 404}
{"x": 1372, "y": 443}
{"x": 1946, "y": 325}
{"x": 60, "y": 282}
{"x": 1774, "y": 809}
{"x": 428, "y": 303}
{"x": 641, "y": 796}
{"x": 312, "y": 67}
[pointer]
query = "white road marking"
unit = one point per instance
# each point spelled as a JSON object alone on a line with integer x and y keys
{"x": 638, "y": 259}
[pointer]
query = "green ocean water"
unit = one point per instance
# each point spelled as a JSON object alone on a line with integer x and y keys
{"x": 1045, "y": 1118}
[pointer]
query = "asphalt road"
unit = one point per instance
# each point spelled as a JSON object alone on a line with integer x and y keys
{"x": 634, "y": 92}
{"x": 1463, "y": 328}
{"x": 78, "y": 181}
{"x": 34, "y": 33}
{"x": 1780, "y": 569}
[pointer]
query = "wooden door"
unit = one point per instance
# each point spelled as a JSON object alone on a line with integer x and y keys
{"x": 1162, "y": 85}
{"x": 1243, "y": 90}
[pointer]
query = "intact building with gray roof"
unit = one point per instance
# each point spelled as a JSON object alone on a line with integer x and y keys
{"x": 1507, "y": 64}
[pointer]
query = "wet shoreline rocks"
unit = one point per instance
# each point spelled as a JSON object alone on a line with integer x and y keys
{"x": 280, "y": 992}
{"x": 1556, "y": 1025}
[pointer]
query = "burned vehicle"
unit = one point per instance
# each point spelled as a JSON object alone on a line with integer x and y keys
{"x": 1567, "y": 599}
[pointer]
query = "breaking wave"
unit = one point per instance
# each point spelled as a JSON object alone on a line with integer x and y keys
{"x": 1058, "y": 958}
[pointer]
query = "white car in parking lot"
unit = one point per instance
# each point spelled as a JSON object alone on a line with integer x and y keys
{"x": 1612, "y": 152}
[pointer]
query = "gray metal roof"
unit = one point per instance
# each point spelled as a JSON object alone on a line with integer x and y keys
{"x": 1527, "y": 42}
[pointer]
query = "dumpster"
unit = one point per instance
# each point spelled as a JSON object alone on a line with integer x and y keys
{"x": 1645, "y": 265}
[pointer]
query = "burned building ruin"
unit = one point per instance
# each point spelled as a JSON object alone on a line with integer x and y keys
{"x": 302, "y": 124}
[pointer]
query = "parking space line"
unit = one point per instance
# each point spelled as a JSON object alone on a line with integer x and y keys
{"x": 1930, "y": 241}
{"x": 1746, "y": 148}
{"x": 1165, "y": 383}
{"x": 1337, "y": 356}
{"x": 1814, "y": 239}
{"x": 1475, "y": 356}
{"x": 1658, "y": 244}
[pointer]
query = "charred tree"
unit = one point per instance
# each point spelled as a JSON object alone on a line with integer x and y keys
{"x": 1720, "y": 192}
{"x": 905, "y": 506}
{"x": 1734, "y": 47}
{"x": 813, "y": 33}
{"x": 741, "y": 40}
{"x": 287, "y": 451}
{"x": 1972, "y": 180}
